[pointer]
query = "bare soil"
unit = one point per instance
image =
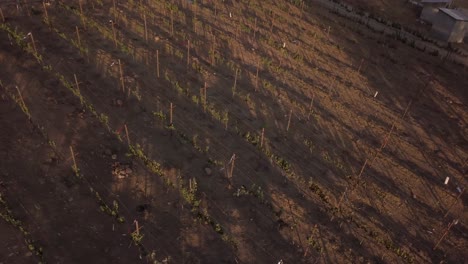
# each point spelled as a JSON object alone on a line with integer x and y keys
{"x": 360, "y": 133}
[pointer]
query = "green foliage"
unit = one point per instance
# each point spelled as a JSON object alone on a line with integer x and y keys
{"x": 315, "y": 188}
{"x": 159, "y": 114}
{"x": 7, "y": 215}
{"x": 137, "y": 237}
{"x": 104, "y": 207}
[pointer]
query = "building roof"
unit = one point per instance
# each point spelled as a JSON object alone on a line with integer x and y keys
{"x": 455, "y": 14}
{"x": 436, "y": 1}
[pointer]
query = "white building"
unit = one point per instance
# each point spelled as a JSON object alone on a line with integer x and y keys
{"x": 450, "y": 25}
{"x": 430, "y": 8}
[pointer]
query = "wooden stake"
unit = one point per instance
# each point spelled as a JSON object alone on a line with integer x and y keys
{"x": 1, "y": 14}
{"x": 78, "y": 36}
{"x": 255, "y": 28}
{"x": 33, "y": 42}
{"x": 195, "y": 15}
{"x": 212, "y": 55}
{"x": 235, "y": 84}
{"x": 310, "y": 107}
{"x": 171, "y": 107}
{"x": 75, "y": 168}
{"x": 231, "y": 171}
{"x": 272, "y": 24}
{"x": 172, "y": 23}
{"x": 157, "y": 62}
{"x": 360, "y": 65}
{"x": 45, "y": 12}
{"x": 78, "y": 88}
{"x": 262, "y": 136}
{"x": 114, "y": 34}
{"x": 256, "y": 76}
{"x": 204, "y": 97}
{"x": 146, "y": 28}
{"x": 387, "y": 138}
{"x": 115, "y": 10}
{"x": 302, "y": 9}
{"x": 328, "y": 32}
{"x": 188, "y": 52}
{"x": 126, "y": 133}
{"x": 20, "y": 96}
{"x": 122, "y": 83}
{"x": 81, "y": 13}
{"x": 137, "y": 226}
{"x": 341, "y": 199}
{"x": 363, "y": 168}
{"x": 227, "y": 121}
{"x": 289, "y": 119}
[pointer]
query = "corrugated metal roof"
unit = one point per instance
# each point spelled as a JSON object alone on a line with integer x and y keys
{"x": 436, "y": 1}
{"x": 455, "y": 13}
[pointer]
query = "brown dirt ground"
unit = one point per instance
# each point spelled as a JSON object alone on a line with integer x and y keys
{"x": 336, "y": 124}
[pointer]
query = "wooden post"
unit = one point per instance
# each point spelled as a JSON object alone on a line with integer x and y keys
{"x": 122, "y": 83}
{"x": 255, "y": 28}
{"x": 256, "y": 76}
{"x": 126, "y": 133}
{"x": 1, "y": 14}
{"x": 146, "y": 28}
{"x": 262, "y": 137}
{"x": 188, "y": 52}
{"x": 114, "y": 34}
{"x": 363, "y": 168}
{"x": 341, "y": 198}
{"x": 272, "y": 24}
{"x": 115, "y": 10}
{"x": 77, "y": 85}
{"x": 157, "y": 62}
{"x": 81, "y": 13}
{"x": 212, "y": 55}
{"x": 78, "y": 89}
{"x": 289, "y": 119}
{"x": 194, "y": 16}
{"x": 227, "y": 121}
{"x": 75, "y": 168}
{"x": 360, "y": 65}
{"x": 204, "y": 97}
{"x": 78, "y": 37}
{"x": 172, "y": 23}
{"x": 20, "y": 96}
{"x": 387, "y": 138}
{"x": 231, "y": 171}
{"x": 328, "y": 32}
{"x": 33, "y": 42}
{"x": 137, "y": 227}
{"x": 171, "y": 107}
{"x": 235, "y": 84}
{"x": 45, "y": 12}
{"x": 310, "y": 106}
{"x": 302, "y": 8}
